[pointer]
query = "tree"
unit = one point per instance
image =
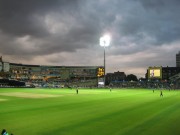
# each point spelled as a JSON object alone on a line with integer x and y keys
{"x": 131, "y": 77}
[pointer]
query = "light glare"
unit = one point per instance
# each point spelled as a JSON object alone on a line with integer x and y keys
{"x": 105, "y": 40}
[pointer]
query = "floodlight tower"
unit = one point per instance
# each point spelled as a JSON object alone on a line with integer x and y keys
{"x": 105, "y": 42}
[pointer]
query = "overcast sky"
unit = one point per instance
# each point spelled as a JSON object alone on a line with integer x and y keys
{"x": 66, "y": 33}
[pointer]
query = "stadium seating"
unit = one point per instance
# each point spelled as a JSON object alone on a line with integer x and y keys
{"x": 175, "y": 77}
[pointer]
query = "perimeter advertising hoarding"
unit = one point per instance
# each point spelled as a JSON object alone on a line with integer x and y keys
{"x": 155, "y": 72}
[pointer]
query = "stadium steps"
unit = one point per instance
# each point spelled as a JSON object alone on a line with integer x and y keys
{"x": 175, "y": 77}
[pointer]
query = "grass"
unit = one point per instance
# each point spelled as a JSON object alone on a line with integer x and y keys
{"x": 91, "y": 112}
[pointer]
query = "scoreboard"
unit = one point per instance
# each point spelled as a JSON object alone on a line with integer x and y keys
{"x": 155, "y": 72}
{"x": 100, "y": 72}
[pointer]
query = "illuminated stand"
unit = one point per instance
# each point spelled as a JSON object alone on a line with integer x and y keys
{"x": 105, "y": 42}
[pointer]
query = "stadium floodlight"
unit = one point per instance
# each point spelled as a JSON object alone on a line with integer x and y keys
{"x": 105, "y": 42}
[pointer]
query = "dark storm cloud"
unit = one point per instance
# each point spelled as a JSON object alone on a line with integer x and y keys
{"x": 158, "y": 19}
{"x": 17, "y": 17}
{"x": 166, "y": 19}
{"x": 26, "y": 18}
{"x": 41, "y": 22}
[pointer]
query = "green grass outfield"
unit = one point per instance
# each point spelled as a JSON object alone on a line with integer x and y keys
{"x": 91, "y": 112}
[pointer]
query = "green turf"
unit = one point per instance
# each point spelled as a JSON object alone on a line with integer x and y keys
{"x": 91, "y": 112}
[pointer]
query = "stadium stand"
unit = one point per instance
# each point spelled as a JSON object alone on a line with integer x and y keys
{"x": 175, "y": 77}
{"x": 175, "y": 81}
